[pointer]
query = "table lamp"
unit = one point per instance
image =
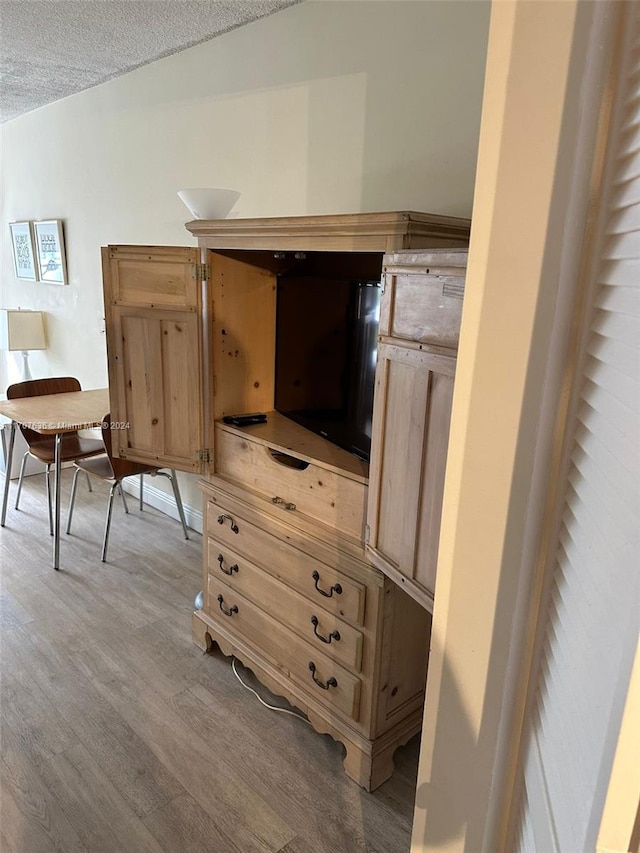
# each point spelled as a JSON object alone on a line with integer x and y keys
{"x": 22, "y": 331}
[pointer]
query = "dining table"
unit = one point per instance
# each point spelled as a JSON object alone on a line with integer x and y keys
{"x": 52, "y": 414}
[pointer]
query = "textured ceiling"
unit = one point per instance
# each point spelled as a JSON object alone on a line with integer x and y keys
{"x": 53, "y": 48}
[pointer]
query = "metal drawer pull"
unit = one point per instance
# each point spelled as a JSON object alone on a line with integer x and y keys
{"x": 331, "y": 682}
{"x": 334, "y": 635}
{"x": 234, "y": 526}
{"x": 230, "y": 570}
{"x": 233, "y": 609}
{"x": 282, "y": 503}
{"x": 335, "y": 588}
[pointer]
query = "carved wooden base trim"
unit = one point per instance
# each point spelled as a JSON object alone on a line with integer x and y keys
{"x": 367, "y": 762}
{"x": 200, "y": 632}
{"x": 373, "y": 765}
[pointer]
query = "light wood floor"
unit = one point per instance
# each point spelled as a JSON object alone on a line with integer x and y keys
{"x": 118, "y": 734}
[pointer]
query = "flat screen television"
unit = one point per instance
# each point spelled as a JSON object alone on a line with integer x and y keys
{"x": 326, "y": 337}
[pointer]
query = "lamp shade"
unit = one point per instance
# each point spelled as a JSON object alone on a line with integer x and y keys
{"x": 22, "y": 330}
{"x": 209, "y": 203}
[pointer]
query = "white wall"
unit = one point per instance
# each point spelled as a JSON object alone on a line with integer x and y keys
{"x": 326, "y": 107}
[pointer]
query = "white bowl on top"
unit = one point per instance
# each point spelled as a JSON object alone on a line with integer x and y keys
{"x": 209, "y": 203}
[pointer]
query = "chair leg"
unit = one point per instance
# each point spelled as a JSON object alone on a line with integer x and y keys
{"x": 124, "y": 500}
{"x": 47, "y": 479}
{"x": 89, "y": 486}
{"x": 176, "y": 494}
{"x": 141, "y": 492}
{"x": 171, "y": 475}
{"x": 22, "y": 467}
{"x": 72, "y": 500}
{"x": 107, "y": 526}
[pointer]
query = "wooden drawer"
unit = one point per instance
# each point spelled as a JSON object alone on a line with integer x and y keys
{"x": 323, "y": 495}
{"x": 321, "y": 584}
{"x": 323, "y": 630}
{"x": 312, "y": 670}
{"x": 423, "y": 296}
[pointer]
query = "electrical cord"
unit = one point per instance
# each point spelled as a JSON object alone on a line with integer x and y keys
{"x": 261, "y": 700}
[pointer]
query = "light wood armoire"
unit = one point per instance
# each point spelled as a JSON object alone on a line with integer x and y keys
{"x": 318, "y": 569}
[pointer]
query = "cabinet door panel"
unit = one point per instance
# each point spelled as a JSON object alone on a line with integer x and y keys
{"x": 410, "y": 435}
{"x": 423, "y": 296}
{"x": 436, "y": 441}
{"x": 155, "y": 355}
{"x": 141, "y": 381}
{"x": 243, "y": 336}
{"x": 154, "y": 276}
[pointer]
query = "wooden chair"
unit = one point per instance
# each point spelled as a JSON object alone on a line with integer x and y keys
{"x": 42, "y": 447}
{"x": 114, "y": 470}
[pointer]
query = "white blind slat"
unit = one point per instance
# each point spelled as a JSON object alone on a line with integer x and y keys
{"x": 620, "y": 300}
{"x": 584, "y": 543}
{"x": 624, "y": 358}
{"x": 629, "y": 167}
{"x": 619, "y": 514}
{"x": 621, "y": 327}
{"x": 630, "y": 141}
{"x": 623, "y": 246}
{"x": 610, "y": 418}
{"x": 622, "y": 385}
{"x": 627, "y": 194}
{"x": 625, "y": 273}
{"x": 625, "y": 219}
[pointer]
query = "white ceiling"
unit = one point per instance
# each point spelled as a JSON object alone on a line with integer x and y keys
{"x": 53, "y": 48}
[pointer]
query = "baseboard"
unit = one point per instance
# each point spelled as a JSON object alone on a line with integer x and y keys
{"x": 164, "y": 502}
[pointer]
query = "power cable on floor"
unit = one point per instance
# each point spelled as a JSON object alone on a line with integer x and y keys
{"x": 261, "y": 700}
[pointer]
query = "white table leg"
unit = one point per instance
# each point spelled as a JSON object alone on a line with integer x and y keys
{"x": 56, "y": 502}
{"x": 7, "y": 473}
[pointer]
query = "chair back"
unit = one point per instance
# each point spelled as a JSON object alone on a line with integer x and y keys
{"x": 39, "y": 388}
{"x": 121, "y": 467}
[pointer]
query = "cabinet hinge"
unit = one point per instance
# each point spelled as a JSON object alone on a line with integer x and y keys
{"x": 202, "y": 272}
{"x": 203, "y": 456}
{"x": 367, "y": 534}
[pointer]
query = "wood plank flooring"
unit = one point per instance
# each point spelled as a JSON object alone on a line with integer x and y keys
{"x": 118, "y": 734}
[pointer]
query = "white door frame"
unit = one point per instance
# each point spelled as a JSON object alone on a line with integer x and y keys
{"x": 540, "y": 155}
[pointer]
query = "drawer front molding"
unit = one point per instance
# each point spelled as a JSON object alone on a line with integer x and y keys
{"x": 313, "y": 623}
{"x": 237, "y": 614}
{"x": 291, "y": 566}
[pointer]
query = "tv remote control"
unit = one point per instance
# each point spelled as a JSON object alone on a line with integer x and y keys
{"x": 245, "y": 420}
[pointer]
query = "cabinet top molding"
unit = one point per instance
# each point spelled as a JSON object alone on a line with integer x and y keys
{"x": 372, "y": 232}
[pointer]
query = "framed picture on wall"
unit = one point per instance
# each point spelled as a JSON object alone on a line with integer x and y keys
{"x": 50, "y": 251}
{"x": 23, "y": 255}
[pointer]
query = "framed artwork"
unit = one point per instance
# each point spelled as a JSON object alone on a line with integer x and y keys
{"x": 23, "y": 255}
{"x": 50, "y": 257}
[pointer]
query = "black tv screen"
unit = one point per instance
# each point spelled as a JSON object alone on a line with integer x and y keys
{"x": 326, "y": 336}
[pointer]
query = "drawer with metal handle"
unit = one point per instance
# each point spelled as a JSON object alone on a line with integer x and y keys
{"x": 320, "y": 583}
{"x": 310, "y": 620}
{"x": 297, "y": 486}
{"x": 307, "y": 667}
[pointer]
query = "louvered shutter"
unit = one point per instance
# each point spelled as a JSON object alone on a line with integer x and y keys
{"x": 592, "y": 623}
